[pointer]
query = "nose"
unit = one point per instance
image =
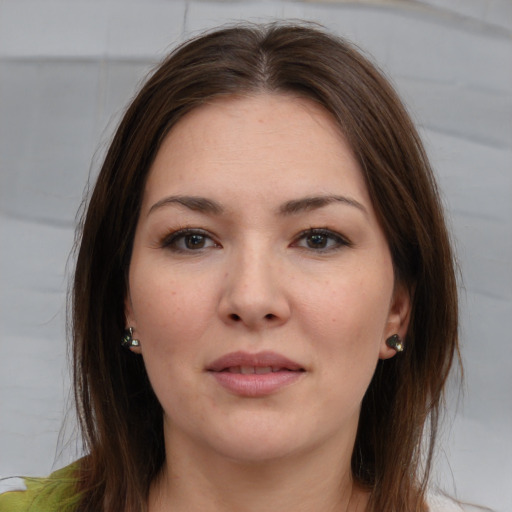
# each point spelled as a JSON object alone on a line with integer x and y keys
{"x": 254, "y": 291}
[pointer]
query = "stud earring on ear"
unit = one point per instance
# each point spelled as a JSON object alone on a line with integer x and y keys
{"x": 395, "y": 342}
{"x": 128, "y": 341}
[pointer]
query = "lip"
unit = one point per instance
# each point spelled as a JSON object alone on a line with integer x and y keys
{"x": 279, "y": 371}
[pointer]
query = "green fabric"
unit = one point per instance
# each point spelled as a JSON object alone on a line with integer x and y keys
{"x": 52, "y": 494}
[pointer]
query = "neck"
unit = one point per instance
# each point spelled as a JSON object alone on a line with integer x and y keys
{"x": 193, "y": 481}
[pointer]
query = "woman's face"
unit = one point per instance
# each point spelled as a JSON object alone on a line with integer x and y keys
{"x": 261, "y": 285}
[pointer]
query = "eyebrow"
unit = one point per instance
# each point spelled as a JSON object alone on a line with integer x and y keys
{"x": 296, "y": 206}
{"x": 198, "y": 204}
{"x": 293, "y": 207}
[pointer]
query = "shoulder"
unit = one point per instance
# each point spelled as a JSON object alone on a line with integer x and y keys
{"x": 50, "y": 494}
{"x": 15, "y": 495}
{"x": 443, "y": 503}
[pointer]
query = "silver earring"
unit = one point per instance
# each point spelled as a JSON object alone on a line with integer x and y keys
{"x": 128, "y": 341}
{"x": 395, "y": 342}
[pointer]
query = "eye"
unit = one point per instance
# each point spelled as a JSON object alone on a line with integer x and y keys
{"x": 321, "y": 240}
{"x": 188, "y": 240}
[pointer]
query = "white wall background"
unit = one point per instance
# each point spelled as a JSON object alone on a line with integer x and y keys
{"x": 68, "y": 67}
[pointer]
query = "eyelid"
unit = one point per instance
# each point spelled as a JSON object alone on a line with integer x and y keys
{"x": 341, "y": 240}
{"x": 176, "y": 235}
{"x": 170, "y": 238}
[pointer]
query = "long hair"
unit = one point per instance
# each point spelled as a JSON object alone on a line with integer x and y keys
{"x": 120, "y": 417}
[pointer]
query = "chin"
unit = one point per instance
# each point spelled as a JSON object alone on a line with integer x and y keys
{"x": 254, "y": 452}
{"x": 257, "y": 442}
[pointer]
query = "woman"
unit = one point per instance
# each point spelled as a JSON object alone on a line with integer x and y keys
{"x": 264, "y": 306}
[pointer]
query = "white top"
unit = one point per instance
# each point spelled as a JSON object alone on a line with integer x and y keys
{"x": 12, "y": 484}
{"x": 441, "y": 503}
{"x": 436, "y": 502}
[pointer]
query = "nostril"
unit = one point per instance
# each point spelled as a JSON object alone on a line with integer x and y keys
{"x": 235, "y": 317}
{"x": 270, "y": 316}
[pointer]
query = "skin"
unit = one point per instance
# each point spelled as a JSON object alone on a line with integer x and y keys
{"x": 250, "y": 279}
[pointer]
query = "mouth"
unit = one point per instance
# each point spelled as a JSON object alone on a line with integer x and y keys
{"x": 258, "y": 370}
{"x": 260, "y": 363}
{"x": 255, "y": 375}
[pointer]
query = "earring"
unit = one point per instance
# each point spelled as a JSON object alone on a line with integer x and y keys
{"x": 127, "y": 340}
{"x": 395, "y": 342}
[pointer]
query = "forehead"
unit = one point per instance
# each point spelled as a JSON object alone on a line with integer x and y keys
{"x": 276, "y": 143}
{"x": 269, "y": 117}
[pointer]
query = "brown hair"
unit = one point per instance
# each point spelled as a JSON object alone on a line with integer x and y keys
{"x": 120, "y": 417}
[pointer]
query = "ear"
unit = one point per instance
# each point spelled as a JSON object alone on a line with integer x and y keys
{"x": 130, "y": 320}
{"x": 398, "y": 319}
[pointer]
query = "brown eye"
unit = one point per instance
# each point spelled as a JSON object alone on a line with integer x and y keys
{"x": 321, "y": 240}
{"x": 188, "y": 240}
{"x": 194, "y": 241}
{"x": 317, "y": 241}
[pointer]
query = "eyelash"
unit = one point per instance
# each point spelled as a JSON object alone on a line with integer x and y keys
{"x": 339, "y": 241}
{"x": 172, "y": 240}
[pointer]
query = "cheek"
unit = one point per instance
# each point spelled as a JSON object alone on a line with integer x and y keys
{"x": 353, "y": 307}
{"x": 347, "y": 326}
{"x": 346, "y": 319}
{"x": 172, "y": 316}
{"x": 170, "y": 312}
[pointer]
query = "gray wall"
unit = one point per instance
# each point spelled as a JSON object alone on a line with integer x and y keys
{"x": 68, "y": 67}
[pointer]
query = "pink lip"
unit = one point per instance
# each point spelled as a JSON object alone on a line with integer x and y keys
{"x": 227, "y": 370}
